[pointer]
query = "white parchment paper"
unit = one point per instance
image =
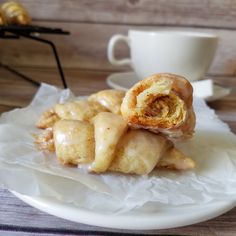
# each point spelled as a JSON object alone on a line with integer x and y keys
{"x": 29, "y": 171}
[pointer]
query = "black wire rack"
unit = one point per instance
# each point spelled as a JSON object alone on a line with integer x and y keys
{"x": 32, "y": 32}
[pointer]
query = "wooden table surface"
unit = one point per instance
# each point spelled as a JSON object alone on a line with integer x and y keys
{"x": 17, "y": 218}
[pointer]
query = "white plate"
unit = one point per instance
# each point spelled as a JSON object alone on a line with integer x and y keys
{"x": 126, "y": 80}
{"x": 168, "y": 217}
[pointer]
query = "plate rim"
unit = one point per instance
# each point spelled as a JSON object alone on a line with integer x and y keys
{"x": 128, "y": 221}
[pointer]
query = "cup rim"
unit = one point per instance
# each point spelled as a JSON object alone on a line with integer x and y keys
{"x": 163, "y": 32}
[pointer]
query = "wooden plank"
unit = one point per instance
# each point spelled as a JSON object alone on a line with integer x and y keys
{"x": 20, "y": 232}
{"x": 86, "y": 48}
{"x": 15, "y": 92}
{"x": 5, "y": 108}
{"x": 13, "y": 212}
{"x": 208, "y": 13}
{"x": 16, "y": 215}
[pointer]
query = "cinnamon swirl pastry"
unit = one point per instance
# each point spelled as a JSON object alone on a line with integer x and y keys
{"x": 161, "y": 103}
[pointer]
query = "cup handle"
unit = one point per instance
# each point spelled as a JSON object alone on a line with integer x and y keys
{"x": 110, "y": 50}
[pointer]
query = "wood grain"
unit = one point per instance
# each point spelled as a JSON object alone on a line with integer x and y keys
{"x": 86, "y": 48}
{"x": 203, "y": 13}
{"x": 21, "y": 233}
{"x": 92, "y": 23}
{"x": 17, "y": 218}
{"x": 23, "y": 216}
{"x": 83, "y": 55}
{"x": 15, "y": 92}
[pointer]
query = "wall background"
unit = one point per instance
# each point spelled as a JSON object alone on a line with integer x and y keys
{"x": 93, "y": 22}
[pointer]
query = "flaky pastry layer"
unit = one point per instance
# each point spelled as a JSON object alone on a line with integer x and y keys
{"x": 161, "y": 103}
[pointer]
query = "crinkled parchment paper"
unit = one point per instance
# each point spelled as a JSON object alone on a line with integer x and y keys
{"x": 29, "y": 171}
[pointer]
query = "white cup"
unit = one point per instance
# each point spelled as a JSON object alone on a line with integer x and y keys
{"x": 184, "y": 53}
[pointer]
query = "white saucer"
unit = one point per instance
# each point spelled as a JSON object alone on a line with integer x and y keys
{"x": 126, "y": 80}
{"x": 169, "y": 217}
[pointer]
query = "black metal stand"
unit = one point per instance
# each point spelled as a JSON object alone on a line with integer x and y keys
{"x": 15, "y": 32}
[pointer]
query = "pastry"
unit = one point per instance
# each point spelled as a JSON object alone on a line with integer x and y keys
{"x": 138, "y": 152}
{"x": 82, "y": 110}
{"x": 129, "y": 133}
{"x": 47, "y": 119}
{"x": 107, "y": 145}
{"x": 174, "y": 159}
{"x": 74, "y": 141}
{"x": 45, "y": 141}
{"x": 78, "y": 110}
{"x": 108, "y": 129}
{"x": 110, "y": 99}
{"x": 161, "y": 103}
{"x": 14, "y": 13}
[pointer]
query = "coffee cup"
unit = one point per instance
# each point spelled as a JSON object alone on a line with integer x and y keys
{"x": 151, "y": 51}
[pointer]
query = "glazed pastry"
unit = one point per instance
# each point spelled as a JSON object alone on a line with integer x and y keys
{"x": 45, "y": 141}
{"x": 74, "y": 141}
{"x": 110, "y": 99}
{"x": 82, "y": 110}
{"x": 138, "y": 152}
{"x": 91, "y": 132}
{"x": 47, "y": 119}
{"x": 134, "y": 152}
{"x": 108, "y": 129}
{"x": 174, "y": 159}
{"x": 15, "y": 13}
{"x": 161, "y": 103}
{"x": 78, "y": 110}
